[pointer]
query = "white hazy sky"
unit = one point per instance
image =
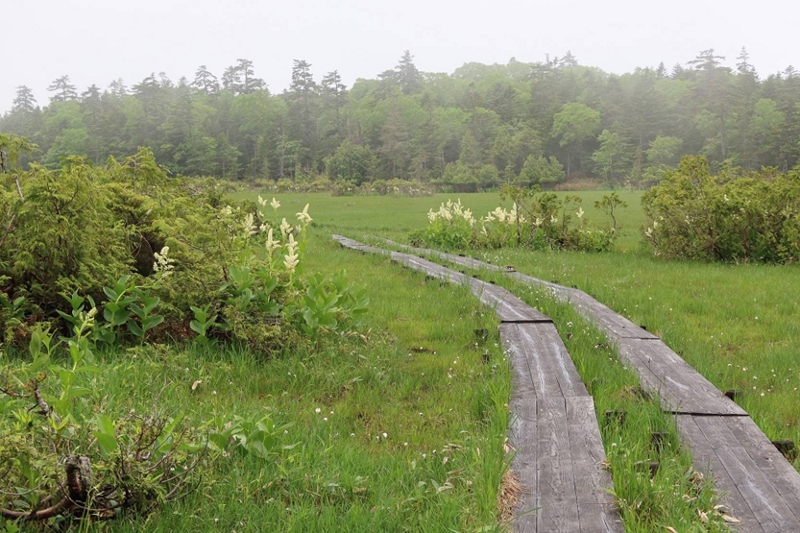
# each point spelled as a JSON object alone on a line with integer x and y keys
{"x": 96, "y": 41}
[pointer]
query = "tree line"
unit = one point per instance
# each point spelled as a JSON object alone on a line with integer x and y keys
{"x": 518, "y": 122}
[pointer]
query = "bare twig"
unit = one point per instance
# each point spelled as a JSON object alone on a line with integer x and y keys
{"x": 46, "y": 410}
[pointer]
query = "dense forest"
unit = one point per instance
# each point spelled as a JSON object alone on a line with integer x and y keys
{"x": 527, "y": 122}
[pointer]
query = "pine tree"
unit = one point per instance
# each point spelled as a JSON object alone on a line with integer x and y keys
{"x": 205, "y": 81}
{"x": 407, "y": 74}
{"x": 64, "y": 91}
{"x": 24, "y": 100}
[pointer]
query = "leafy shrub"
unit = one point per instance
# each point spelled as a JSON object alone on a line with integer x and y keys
{"x": 50, "y": 433}
{"x": 146, "y": 250}
{"x": 728, "y": 217}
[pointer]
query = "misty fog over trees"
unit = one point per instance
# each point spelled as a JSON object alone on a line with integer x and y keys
{"x": 533, "y": 122}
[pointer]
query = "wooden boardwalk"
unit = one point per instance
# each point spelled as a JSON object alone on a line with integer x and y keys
{"x": 753, "y": 479}
{"x": 559, "y": 451}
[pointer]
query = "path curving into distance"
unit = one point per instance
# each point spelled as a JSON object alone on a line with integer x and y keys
{"x": 755, "y": 481}
{"x": 554, "y": 428}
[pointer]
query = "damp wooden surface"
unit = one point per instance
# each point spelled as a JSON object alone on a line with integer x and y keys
{"x": 758, "y": 485}
{"x": 755, "y": 481}
{"x": 683, "y": 390}
{"x": 554, "y": 430}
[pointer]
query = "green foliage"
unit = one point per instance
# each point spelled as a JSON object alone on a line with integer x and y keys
{"x": 133, "y": 462}
{"x": 351, "y": 163}
{"x": 612, "y": 156}
{"x": 727, "y": 217}
{"x": 410, "y": 125}
{"x": 575, "y": 123}
{"x": 261, "y": 438}
{"x": 536, "y": 220}
{"x": 146, "y": 252}
{"x": 451, "y": 227}
{"x": 540, "y": 170}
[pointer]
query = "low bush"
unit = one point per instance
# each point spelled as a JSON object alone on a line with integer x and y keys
{"x": 726, "y": 217}
{"x": 148, "y": 251}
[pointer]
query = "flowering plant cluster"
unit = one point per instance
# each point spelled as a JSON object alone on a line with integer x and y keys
{"x": 729, "y": 217}
{"x": 535, "y": 220}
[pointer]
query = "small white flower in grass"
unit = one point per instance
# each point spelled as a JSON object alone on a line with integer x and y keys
{"x": 553, "y": 219}
{"x": 304, "y": 217}
{"x": 385, "y": 435}
{"x": 317, "y": 410}
{"x": 275, "y": 204}
{"x": 579, "y": 213}
{"x": 261, "y": 201}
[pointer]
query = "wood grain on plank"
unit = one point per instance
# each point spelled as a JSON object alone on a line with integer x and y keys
{"x": 509, "y": 308}
{"x": 588, "y": 455}
{"x": 607, "y": 319}
{"x": 756, "y": 485}
{"x": 783, "y": 475}
{"x": 709, "y": 464}
{"x": 682, "y": 389}
{"x": 556, "y": 497}
{"x": 549, "y": 366}
{"x": 523, "y": 438}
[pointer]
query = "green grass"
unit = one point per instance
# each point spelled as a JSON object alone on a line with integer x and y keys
{"x": 418, "y": 376}
{"x": 706, "y": 312}
{"x": 400, "y": 427}
{"x": 739, "y": 325}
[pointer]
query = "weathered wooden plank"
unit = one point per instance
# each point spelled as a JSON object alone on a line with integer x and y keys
{"x": 508, "y": 307}
{"x": 707, "y": 462}
{"x": 607, "y": 319}
{"x": 682, "y": 389}
{"x": 539, "y": 372}
{"x": 595, "y": 505}
{"x": 599, "y": 518}
{"x": 523, "y": 438}
{"x": 783, "y": 475}
{"x": 586, "y": 448}
{"x": 559, "y": 291}
{"x": 550, "y": 367}
{"x": 755, "y": 485}
{"x": 556, "y": 498}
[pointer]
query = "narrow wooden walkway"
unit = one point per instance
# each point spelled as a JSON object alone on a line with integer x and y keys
{"x": 559, "y": 451}
{"x": 753, "y": 478}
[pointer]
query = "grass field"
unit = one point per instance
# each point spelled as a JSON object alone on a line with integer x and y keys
{"x": 402, "y": 425}
{"x": 739, "y": 325}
